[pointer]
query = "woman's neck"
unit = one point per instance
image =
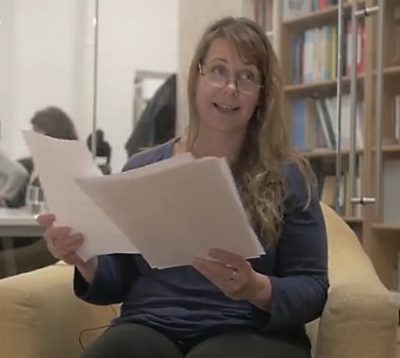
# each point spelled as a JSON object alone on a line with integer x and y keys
{"x": 216, "y": 145}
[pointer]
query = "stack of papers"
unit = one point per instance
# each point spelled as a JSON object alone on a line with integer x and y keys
{"x": 170, "y": 211}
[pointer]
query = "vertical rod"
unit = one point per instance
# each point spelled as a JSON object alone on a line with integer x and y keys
{"x": 353, "y": 103}
{"x": 339, "y": 105}
{"x": 378, "y": 108}
{"x": 95, "y": 76}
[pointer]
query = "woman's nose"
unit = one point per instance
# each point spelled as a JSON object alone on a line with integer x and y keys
{"x": 231, "y": 86}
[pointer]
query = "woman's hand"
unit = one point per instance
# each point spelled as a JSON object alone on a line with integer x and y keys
{"x": 235, "y": 277}
{"x": 61, "y": 244}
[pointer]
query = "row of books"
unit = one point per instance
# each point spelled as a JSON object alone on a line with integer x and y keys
{"x": 263, "y": 14}
{"x": 315, "y": 123}
{"x": 314, "y": 54}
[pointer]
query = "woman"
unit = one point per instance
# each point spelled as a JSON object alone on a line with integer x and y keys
{"x": 228, "y": 306}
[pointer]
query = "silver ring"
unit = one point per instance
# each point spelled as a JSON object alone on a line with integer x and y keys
{"x": 233, "y": 275}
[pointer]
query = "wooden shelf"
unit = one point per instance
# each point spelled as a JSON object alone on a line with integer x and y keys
{"x": 392, "y": 71}
{"x": 314, "y": 19}
{"x": 325, "y": 153}
{"x": 324, "y": 88}
{"x": 392, "y": 148}
{"x": 386, "y": 227}
{"x": 318, "y": 18}
{"x": 353, "y": 220}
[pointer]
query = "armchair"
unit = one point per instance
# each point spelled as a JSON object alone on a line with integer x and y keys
{"x": 41, "y": 318}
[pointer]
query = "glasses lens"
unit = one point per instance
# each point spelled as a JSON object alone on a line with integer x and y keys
{"x": 215, "y": 78}
{"x": 246, "y": 87}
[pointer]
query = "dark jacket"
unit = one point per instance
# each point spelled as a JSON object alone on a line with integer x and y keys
{"x": 156, "y": 124}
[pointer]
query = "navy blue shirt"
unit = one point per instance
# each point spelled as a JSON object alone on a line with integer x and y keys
{"x": 184, "y": 304}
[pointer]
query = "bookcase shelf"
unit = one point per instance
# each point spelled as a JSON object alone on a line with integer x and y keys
{"x": 353, "y": 220}
{"x": 394, "y": 148}
{"x": 317, "y": 18}
{"x": 386, "y": 227}
{"x": 321, "y": 88}
{"x": 392, "y": 71}
{"x": 325, "y": 153}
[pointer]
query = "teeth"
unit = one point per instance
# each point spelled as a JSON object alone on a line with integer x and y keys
{"x": 225, "y": 107}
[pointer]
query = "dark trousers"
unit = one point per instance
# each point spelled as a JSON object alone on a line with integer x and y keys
{"x": 136, "y": 341}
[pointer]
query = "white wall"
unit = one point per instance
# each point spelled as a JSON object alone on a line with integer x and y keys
{"x": 135, "y": 35}
{"x": 46, "y": 57}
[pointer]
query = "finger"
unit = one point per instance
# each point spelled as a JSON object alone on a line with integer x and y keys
{"x": 46, "y": 219}
{"x": 72, "y": 259}
{"x": 224, "y": 255}
{"x": 227, "y": 257}
{"x": 65, "y": 243}
{"x": 220, "y": 282}
{"x": 68, "y": 250}
{"x": 57, "y": 232}
{"x": 212, "y": 269}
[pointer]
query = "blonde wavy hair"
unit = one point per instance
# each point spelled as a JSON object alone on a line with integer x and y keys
{"x": 258, "y": 169}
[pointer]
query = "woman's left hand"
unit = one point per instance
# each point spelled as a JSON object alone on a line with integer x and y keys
{"x": 235, "y": 277}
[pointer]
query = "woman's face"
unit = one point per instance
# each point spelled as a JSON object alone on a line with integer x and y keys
{"x": 227, "y": 89}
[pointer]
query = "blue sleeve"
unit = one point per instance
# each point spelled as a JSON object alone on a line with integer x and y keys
{"x": 299, "y": 287}
{"x": 115, "y": 273}
{"x": 114, "y": 276}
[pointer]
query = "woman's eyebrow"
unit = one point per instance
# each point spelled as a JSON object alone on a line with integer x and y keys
{"x": 221, "y": 59}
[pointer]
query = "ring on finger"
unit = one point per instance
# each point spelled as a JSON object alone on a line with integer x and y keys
{"x": 233, "y": 271}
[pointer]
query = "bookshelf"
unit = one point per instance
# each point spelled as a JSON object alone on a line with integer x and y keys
{"x": 378, "y": 232}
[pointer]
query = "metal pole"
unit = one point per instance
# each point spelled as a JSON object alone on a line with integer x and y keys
{"x": 95, "y": 75}
{"x": 339, "y": 200}
{"x": 378, "y": 107}
{"x": 353, "y": 103}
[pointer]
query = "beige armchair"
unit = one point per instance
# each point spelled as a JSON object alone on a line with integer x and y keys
{"x": 41, "y": 318}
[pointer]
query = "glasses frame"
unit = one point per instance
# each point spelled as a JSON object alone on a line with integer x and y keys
{"x": 200, "y": 67}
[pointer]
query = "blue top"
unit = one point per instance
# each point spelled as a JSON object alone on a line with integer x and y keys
{"x": 182, "y": 303}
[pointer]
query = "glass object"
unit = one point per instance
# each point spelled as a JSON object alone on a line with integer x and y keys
{"x": 34, "y": 199}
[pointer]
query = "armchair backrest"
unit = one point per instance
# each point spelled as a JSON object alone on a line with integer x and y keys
{"x": 360, "y": 316}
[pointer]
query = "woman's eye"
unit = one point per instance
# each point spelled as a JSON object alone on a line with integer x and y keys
{"x": 219, "y": 70}
{"x": 248, "y": 76}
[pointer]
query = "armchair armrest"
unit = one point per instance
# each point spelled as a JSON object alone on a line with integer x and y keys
{"x": 41, "y": 317}
{"x": 360, "y": 316}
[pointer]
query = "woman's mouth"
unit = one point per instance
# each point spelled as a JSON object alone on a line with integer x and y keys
{"x": 225, "y": 108}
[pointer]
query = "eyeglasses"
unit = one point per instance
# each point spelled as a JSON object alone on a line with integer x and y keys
{"x": 219, "y": 76}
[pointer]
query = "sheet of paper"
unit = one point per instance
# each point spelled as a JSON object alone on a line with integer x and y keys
{"x": 58, "y": 163}
{"x": 176, "y": 213}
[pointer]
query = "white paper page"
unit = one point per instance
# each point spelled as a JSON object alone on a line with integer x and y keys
{"x": 178, "y": 213}
{"x": 58, "y": 163}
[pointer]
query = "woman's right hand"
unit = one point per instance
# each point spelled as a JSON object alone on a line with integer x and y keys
{"x": 60, "y": 242}
{"x": 63, "y": 246}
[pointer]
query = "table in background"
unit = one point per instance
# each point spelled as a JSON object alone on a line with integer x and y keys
{"x": 16, "y": 223}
